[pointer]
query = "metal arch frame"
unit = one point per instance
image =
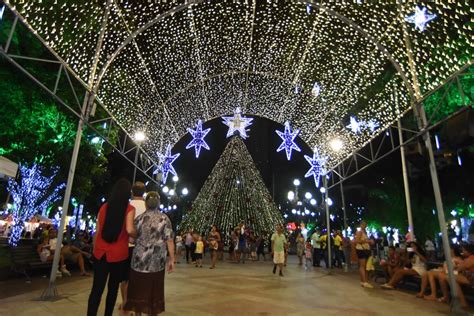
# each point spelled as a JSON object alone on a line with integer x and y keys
{"x": 146, "y": 163}
{"x": 359, "y": 161}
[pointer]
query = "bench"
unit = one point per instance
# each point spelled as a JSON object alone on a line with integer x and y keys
{"x": 25, "y": 259}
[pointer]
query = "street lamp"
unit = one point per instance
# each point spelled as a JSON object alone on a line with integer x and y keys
{"x": 291, "y": 195}
{"x": 336, "y": 144}
{"x": 139, "y": 137}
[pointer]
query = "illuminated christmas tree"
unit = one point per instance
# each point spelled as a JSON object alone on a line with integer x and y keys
{"x": 32, "y": 193}
{"x": 233, "y": 192}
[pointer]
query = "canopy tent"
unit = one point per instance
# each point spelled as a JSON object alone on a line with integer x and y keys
{"x": 8, "y": 168}
{"x": 165, "y": 64}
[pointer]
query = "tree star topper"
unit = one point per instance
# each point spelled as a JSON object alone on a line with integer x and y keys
{"x": 198, "y": 138}
{"x": 237, "y": 123}
{"x": 288, "y": 138}
{"x": 317, "y": 166}
{"x": 420, "y": 18}
{"x": 166, "y": 161}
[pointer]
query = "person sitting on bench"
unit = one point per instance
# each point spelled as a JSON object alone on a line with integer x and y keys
{"x": 415, "y": 266}
{"x": 44, "y": 251}
{"x": 70, "y": 253}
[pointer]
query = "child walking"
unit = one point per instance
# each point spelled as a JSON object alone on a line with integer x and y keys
{"x": 199, "y": 251}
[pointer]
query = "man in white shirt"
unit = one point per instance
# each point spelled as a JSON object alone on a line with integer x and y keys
{"x": 315, "y": 242}
{"x": 138, "y": 202}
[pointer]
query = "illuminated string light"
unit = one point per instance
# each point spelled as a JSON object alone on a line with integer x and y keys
{"x": 420, "y": 18}
{"x": 198, "y": 138}
{"x": 288, "y": 138}
{"x": 32, "y": 193}
{"x": 244, "y": 58}
{"x": 167, "y": 163}
{"x": 237, "y": 124}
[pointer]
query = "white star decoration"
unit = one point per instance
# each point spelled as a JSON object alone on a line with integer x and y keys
{"x": 354, "y": 126}
{"x": 237, "y": 123}
{"x": 316, "y": 90}
{"x": 288, "y": 138}
{"x": 166, "y": 162}
{"x": 2, "y": 9}
{"x": 198, "y": 138}
{"x": 420, "y": 18}
{"x": 317, "y": 166}
{"x": 357, "y": 126}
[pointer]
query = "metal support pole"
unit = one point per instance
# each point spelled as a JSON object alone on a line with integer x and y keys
{"x": 135, "y": 165}
{"x": 328, "y": 222}
{"x": 87, "y": 105}
{"x": 344, "y": 214}
{"x": 456, "y": 308}
{"x": 406, "y": 183}
{"x": 51, "y": 291}
{"x": 420, "y": 114}
{"x": 10, "y": 35}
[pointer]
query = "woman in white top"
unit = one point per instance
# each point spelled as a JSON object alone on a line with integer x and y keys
{"x": 362, "y": 247}
{"x": 415, "y": 266}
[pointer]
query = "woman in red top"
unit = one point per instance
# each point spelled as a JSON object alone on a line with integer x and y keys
{"x": 114, "y": 226}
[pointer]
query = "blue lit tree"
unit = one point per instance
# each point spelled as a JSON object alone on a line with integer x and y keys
{"x": 32, "y": 193}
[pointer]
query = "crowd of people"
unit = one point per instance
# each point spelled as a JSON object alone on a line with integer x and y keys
{"x": 133, "y": 241}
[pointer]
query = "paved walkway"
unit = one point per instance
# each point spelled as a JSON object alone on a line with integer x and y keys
{"x": 239, "y": 289}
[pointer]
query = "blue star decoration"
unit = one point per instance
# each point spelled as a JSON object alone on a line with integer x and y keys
{"x": 237, "y": 124}
{"x": 317, "y": 166}
{"x": 198, "y": 138}
{"x": 372, "y": 125}
{"x": 166, "y": 162}
{"x": 288, "y": 138}
{"x": 420, "y": 18}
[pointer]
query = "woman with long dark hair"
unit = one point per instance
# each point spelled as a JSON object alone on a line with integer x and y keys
{"x": 114, "y": 226}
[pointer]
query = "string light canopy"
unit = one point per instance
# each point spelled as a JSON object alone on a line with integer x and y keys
{"x": 165, "y": 64}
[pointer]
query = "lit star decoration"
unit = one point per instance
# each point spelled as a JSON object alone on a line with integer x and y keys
{"x": 358, "y": 126}
{"x": 354, "y": 125}
{"x": 420, "y": 18}
{"x": 237, "y": 123}
{"x": 198, "y": 138}
{"x": 316, "y": 90}
{"x": 372, "y": 125}
{"x": 317, "y": 164}
{"x": 1, "y": 12}
{"x": 288, "y": 137}
{"x": 167, "y": 163}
